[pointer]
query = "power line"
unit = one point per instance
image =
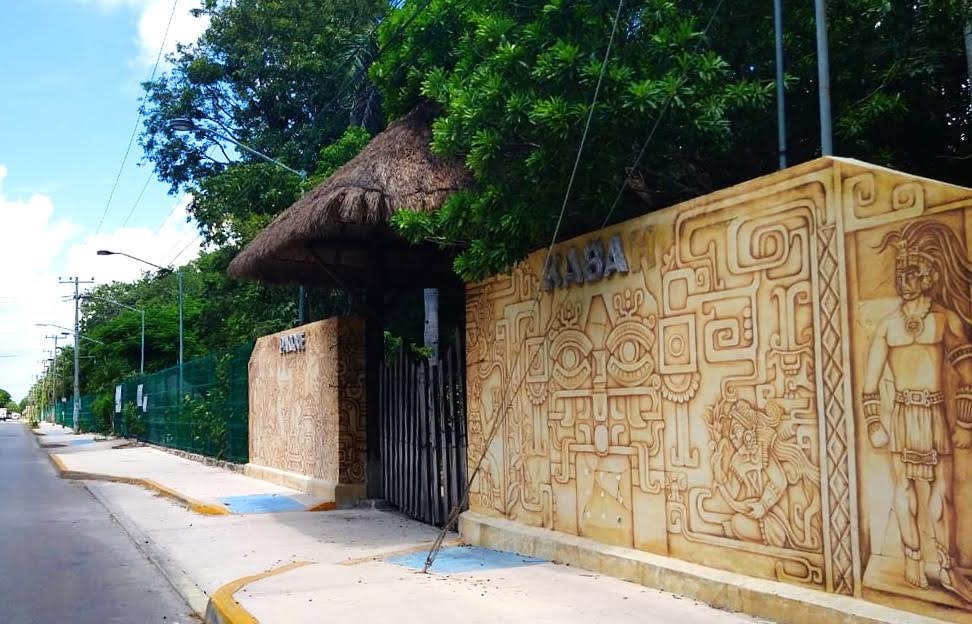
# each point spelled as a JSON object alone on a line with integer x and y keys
{"x": 138, "y": 199}
{"x": 138, "y": 118}
{"x": 169, "y": 214}
{"x": 176, "y": 257}
{"x": 507, "y": 401}
{"x": 654, "y": 127}
{"x": 509, "y": 396}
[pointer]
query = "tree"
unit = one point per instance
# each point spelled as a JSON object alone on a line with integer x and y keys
{"x": 4, "y": 397}
{"x": 284, "y": 77}
{"x": 270, "y": 74}
{"x": 899, "y": 79}
{"x": 516, "y": 80}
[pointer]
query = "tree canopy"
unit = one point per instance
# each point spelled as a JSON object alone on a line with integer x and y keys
{"x": 685, "y": 105}
{"x": 282, "y": 77}
{"x": 516, "y": 81}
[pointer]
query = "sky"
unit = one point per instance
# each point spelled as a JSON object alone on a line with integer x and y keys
{"x": 70, "y": 75}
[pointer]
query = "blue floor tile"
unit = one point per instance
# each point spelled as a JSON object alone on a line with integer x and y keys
{"x": 261, "y": 503}
{"x": 456, "y": 559}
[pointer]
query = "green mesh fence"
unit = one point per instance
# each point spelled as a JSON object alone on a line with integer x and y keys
{"x": 211, "y": 420}
{"x": 63, "y": 414}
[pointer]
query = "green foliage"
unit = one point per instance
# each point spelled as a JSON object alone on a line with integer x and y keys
{"x": 284, "y": 78}
{"x": 103, "y": 408}
{"x": 273, "y": 75}
{"x": 234, "y": 205}
{"x": 207, "y": 418}
{"x": 4, "y": 397}
{"x": 135, "y": 426}
{"x": 340, "y": 152}
{"x": 393, "y": 346}
{"x": 900, "y": 87}
{"x": 516, "y": 81}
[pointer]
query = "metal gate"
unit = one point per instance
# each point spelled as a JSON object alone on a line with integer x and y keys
{"x": 423, "y": 432}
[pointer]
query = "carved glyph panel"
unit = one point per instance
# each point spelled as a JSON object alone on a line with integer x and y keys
{"x": 689, "y": 383}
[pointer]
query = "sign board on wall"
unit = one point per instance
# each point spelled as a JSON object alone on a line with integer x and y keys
{"x": 292, "y": 343}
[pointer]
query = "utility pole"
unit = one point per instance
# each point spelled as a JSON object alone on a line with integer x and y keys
{"x": 77, "y": 346}
{"x": 823, "y": 77}
{"x": 780, "y": 91}
{"x": 56, "y": 337}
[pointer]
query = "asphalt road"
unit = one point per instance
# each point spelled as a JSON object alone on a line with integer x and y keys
{"x": 62, "y": 557}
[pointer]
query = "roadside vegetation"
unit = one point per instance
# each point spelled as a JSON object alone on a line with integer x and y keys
{"x": 310, "y": 82}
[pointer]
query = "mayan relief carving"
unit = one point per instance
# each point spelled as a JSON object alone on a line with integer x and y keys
{"x": 737, "y": 349}
{"x": 775, "y": 379}
{"x": 915, "y": 393}
{"x": 307, "y": 412}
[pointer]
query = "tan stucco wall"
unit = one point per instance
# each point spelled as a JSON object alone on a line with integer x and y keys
{"x": 307, "y": 408}
{"x": 708, "y": 403}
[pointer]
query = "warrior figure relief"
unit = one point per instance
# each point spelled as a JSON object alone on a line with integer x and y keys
{"x": 927, "y": 332}
{"x": 763, "y": 476}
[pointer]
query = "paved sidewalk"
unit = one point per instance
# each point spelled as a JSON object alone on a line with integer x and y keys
{"x": 290, "y": 567}
{"x": 58, "y": 439}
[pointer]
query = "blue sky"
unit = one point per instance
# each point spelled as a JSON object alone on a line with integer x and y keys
{"x": 70, "y": 74}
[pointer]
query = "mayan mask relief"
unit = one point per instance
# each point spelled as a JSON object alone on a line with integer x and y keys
{"x": 775, "y": 379}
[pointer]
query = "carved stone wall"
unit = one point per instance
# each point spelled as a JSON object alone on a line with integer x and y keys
{"x": 307, "y": 406}
{"x": 693, "y": 383}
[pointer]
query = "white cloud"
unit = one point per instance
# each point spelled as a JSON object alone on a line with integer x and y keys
{"x": 153, "y": 17}
{"x": 155, "y": 14}
{"x": 39, "y": 249}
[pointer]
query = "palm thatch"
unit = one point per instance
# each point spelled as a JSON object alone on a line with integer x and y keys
{"x": 339, "y": 233}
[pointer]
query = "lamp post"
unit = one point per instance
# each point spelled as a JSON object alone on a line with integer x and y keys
{"x": 187, "y": 125}
{"x": 105, "y": 252}
{"x": 67, "y": 331}
{"x": 181, "y": 124}
{"x": 141, "y": 366}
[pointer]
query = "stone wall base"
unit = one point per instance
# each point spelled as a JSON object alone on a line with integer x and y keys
{"x": 342, "y": 494}
{"x": 779, "y": 602}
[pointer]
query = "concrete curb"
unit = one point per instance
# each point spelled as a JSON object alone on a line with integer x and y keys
{"x": 224, "y": 609}
{"x": 207, "y": 509}
{"x": 728, "y": 591}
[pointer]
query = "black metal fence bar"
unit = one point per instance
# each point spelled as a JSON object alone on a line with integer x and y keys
{"x": 423, "y": 432}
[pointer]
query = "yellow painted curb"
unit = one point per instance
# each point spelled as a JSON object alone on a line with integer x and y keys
{"x": 224, "y": 609}
{"x": 207, "y": 509}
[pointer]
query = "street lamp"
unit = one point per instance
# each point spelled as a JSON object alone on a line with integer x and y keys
{"x": 67, "y": 331}
{"x": 105, "y": 252}
{"x": 141, "y": 367}
{"x": 181, "y": 124}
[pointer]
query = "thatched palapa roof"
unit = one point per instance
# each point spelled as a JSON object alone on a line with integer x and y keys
{"x": 338, "y": 233}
